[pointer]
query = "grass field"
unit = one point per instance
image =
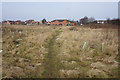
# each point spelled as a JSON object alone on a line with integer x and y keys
{"x": 0, "y": 53}
{"x": 59, "y": 52}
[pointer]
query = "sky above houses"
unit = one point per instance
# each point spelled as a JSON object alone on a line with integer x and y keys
{"x": 58, "y": 10}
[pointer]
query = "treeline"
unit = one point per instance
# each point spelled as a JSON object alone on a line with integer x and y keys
{"x": 114, "y": 21}
{"x": 92, "y": 20}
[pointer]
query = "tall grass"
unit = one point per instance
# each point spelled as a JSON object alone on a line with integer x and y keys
{"x": 28, "y": 58}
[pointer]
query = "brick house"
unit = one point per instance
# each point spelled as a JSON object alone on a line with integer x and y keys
{"x": 40, "y": 22}
{"x": 48, "y": 23}
{"x": 8, "y": 22}
{"x": 62, "y": 22}
{"x": 29, "y": 22}
{"x": 18, "y": 22}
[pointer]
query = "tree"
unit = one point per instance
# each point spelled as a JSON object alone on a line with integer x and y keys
{"x": 108, "y": 20}
{"x": 44, "y": 21}
{"x": 91, "y": 19}
{"x": 84, "y": 20}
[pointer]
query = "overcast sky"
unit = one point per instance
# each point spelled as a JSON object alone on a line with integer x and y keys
{"x": 58, "y": 10}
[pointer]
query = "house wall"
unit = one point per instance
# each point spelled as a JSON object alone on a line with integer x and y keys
{"x": 65, "y": 22}
{"x": 72, "y": 24}
{"x": 7, "y": 22}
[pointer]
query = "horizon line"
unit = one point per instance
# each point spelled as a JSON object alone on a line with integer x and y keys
{"x": 55, "y": 19}
{"x": 52, "y": 19}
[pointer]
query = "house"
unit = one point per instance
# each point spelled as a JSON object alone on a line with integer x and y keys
{"x": 62, "y": 22}
{"x": 29, "y": 22}
{"x": 18, "y": 22}
{"x": 37, "y": 23}
{"x": 23, "y": 23}
{"x": 8, "y": 22}
{"x": 101, "y": 21}
{"x": 40, "y": 22}
{"x": 48, "y": 23}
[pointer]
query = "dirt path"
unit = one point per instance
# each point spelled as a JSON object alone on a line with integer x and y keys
{"x": 51, "y": 63}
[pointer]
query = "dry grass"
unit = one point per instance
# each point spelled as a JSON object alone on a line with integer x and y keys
{"x": 0, "y": 52}
{"x": 73, "y": 56}
{"x": 28, "y": 55}
{"x": 27, "y": 59}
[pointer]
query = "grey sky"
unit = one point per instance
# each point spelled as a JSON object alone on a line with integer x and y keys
{"x": 58, "y": 10}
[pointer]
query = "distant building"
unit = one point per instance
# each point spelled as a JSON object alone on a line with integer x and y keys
{"x": 81, "y": 24}
{"x": 40, "y": 22}
{"x": 48, "y": 23}
{"x": 37, "y": 23}
{"x": 8, "y": 22}
{"x": 29, "y": 22}
{"x": 18, "y": 22}
{"x": 62, "y": 22}
{"x": 101, "y": 21}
